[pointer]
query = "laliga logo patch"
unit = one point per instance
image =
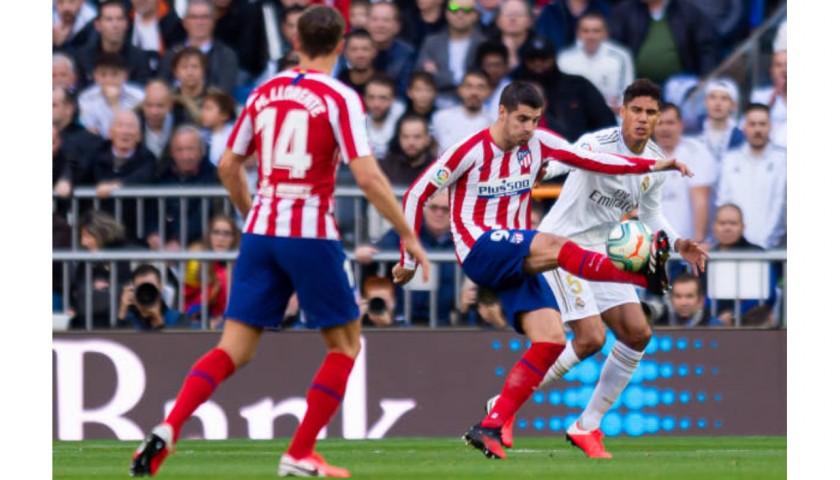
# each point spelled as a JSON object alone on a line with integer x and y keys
{"x": 523, "y": 156}
{"x": 586, "y": 146}
{"x": 645, "y": 183}
{"x": 441, "y": 176}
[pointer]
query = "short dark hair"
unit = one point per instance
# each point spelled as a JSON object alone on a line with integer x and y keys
{"x": 320, "y": 28}
{"x": 519, "y": 93}
{"x": 112, "y": 3}
{"x": 291, "y": 10}
{"x": 412, "y": 117}
{"x": 145, "y": 269}
{"x": 110, "y": 60}
{"x": 226, "y": 103}
{"x": 187, "y": 52}
{"x": 732, "y": 206}
{"x": 476, "y": 72}
{"x": 757, "y": 106}
{"x": 686, "y": 277}
{"x": 491, "y": 47}
{"x": 663, "y": 106}
{"x": 643, "y": 87}
{"x": 423, "y": 77}
{"x": 594, "y": 15}
{"x": 358, "y": 33}
{"x": 380, "y": 78}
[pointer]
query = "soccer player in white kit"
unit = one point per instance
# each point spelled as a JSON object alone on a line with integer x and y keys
{"x": 489, "y": 176}
{"x": 588, "y": 207}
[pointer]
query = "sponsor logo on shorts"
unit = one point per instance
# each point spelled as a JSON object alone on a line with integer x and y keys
{"x": 441, "y": 176}
{"x": 504, "y": 187}
{"x": 579, "y": 303}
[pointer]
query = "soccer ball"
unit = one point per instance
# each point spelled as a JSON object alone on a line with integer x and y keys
{"x": 628, "y": 245}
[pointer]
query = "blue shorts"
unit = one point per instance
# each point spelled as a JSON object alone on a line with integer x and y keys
{"x": 495, "y": 262}
{"x": 270, "y": 269}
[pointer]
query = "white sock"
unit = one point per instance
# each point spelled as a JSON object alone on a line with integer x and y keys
{"x": 615, "y": 375}
{"x": 563, "y": 364}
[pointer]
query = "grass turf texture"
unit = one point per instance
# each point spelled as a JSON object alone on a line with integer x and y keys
{"x": 681, "y": 458}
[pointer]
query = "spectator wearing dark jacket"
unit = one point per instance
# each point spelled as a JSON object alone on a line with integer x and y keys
{"x": 558, "y": 23}
{"x": 190, "y": 167}
{"x": 111, "y": 36}
{"x": 411, "y": 151}
{"x": 574, "y": 104}
{"x": 666, "y": 37}
{"x": 154, "y": 28}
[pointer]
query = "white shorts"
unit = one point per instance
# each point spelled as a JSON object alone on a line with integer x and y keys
{"x": 579, "y": 298}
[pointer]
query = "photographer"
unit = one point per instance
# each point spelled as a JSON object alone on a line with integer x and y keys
{"x": 480, "y": 307}
{"x": 141, "y": 306}
{"x": 377, "y": 304}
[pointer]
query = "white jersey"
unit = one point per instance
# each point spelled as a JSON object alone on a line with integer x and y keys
{"x": 757, "y": 184}
{"x": 590, "y": 204}
{"x": 676, "y": 193}
{"x": 490, "y": 188}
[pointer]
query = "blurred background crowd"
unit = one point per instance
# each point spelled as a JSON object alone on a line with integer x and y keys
{"x": 145, "y": 93}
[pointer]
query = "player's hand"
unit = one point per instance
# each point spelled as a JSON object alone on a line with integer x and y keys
{"x": 541, "y": 175}
{"x": 693, "y": 253}
{"x": 673, "y": 164}
{"x": 401, "y": 274}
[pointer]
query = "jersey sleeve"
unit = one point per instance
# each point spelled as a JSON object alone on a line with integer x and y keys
{"x": 347, "y": 119}
{"x": 439, "y": 175}
{"x": 555, "y": 147}
{"x": 241, "y": 140}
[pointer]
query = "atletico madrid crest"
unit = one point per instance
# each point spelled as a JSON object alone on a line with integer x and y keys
{"x": 523, "y": 155}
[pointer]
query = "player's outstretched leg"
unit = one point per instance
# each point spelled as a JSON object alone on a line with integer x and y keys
{"x": 204, "y": 376}
{"x": 597, "y": 267}
{"x": 322, "y": 400}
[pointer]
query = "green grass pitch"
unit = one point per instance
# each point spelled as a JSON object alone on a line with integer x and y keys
{"x": 682, "y": 458}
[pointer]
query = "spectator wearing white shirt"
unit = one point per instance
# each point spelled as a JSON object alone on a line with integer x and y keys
{"x": 775, "y": 97}
{"x": 605, "y": 63}
{"x": 754, "y": 177}
{"x": 456, "y": 123}
{"x": 384, "y": 110}
{"x": 685, "y": 200}
{"x": 110, "y": 92}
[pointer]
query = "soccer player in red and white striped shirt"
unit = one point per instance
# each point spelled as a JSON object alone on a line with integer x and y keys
{"x": 300, "y": 123}
{"x": 489, "y": 176}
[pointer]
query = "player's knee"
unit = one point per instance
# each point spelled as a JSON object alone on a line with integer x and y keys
{"x": 637, "y": 338}
{"x": 590, "y": 342}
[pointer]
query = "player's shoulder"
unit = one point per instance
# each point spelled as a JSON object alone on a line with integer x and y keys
{"x": 466, "y": 147}
{"x": 601, "y": 138}
{"x": 653, "y": 150}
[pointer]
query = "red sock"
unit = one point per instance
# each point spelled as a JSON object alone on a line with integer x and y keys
{"x": 206, "y": 374}
{"x": 322, "y": 400}
{"x": 594, "y": 266}
{"x": 522, "y": 381}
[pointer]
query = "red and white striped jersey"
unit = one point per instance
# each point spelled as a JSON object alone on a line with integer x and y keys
{"x": 299, "y": 123}
{"x": 491, "y": 189}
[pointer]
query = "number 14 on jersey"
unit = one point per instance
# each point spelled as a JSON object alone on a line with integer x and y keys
{"x": 290, "y": 150}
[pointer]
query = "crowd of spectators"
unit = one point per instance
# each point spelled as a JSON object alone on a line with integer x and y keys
{"x": 145, "y": 93}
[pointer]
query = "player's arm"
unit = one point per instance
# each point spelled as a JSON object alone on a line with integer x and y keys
{"x": 700, "y": 208}
{"x": 652, "y": 215}
{"x": 232, "y": 174}
{"x": 378, "y": 191}
{"x": 555, "y": 147}
{"x": 439, "y": 175}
